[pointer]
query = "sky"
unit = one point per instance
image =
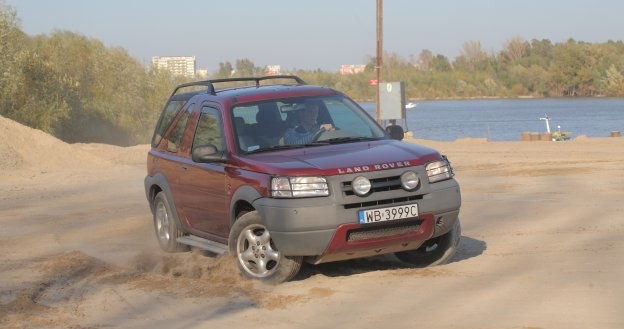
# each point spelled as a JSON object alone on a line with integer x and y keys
{"x": 318, "y": 34}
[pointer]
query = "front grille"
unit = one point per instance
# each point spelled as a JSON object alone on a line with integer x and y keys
{"x": 383, "y": 231}
{"x": 382, "y": 202}
{"x": 386, "y": 189}
{"x": 377, "y": 185}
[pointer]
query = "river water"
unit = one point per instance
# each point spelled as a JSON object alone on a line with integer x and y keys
{"x": 507, "y": 119}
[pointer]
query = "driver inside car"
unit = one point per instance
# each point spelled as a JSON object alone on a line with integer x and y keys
{"x": 307, "y": 128}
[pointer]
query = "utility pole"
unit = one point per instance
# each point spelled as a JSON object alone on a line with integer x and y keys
{"x": 379, "y": 66}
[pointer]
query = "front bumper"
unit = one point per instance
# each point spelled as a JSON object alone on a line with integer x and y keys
{"x": 327, "y": 228}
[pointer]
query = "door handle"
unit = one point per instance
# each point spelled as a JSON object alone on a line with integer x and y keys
{"x": 183, "y": 167}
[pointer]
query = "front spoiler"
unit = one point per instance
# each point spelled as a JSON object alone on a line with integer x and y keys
{"x": 343, "y": 247}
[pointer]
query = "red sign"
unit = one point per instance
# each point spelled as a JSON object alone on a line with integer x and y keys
{"x": 373, "y": 82}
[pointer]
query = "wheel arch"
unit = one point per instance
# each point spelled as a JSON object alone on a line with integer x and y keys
{"x": 156, "y": 184}
{"x": 242, "y": 202}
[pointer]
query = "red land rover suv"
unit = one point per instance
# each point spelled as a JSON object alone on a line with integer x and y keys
{"x": 278, "y": 172}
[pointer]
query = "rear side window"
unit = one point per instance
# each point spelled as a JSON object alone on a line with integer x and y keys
{"x": 166, "y": 118}
{"x": 175, "y": 138}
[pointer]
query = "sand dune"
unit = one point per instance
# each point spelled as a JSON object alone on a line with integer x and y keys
{"x": 541, "y": 248}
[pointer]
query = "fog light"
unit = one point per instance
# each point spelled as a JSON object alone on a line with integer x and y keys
{"x": 409, "y": 180}
{"x": 361, "y": 185}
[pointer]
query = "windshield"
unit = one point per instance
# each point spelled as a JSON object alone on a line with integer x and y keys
{"x": 301, "y": 122}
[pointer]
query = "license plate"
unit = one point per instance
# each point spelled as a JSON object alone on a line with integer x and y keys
{"x": 386, "y": 214}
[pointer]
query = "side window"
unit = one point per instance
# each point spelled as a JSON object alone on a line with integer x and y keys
{"x": 175, "y": 139}
{"x": 209, "y": 129}
{"x": 248, "y": 113}
{"x": 345, "y": 118}
{"x": 166, "y": 118}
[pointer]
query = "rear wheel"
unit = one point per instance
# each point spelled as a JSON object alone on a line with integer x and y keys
{"x": 166, "y": 226}
{"x": 435, "y": 251}
{"x": 256, "y": 255}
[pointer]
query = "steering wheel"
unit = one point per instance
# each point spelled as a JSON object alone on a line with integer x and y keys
{"x": 317, "y": 135}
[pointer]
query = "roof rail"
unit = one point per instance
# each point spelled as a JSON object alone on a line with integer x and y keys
{"x": 209, "y": 84}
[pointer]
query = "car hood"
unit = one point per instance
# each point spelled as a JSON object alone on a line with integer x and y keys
{"x": 338, "y": 159}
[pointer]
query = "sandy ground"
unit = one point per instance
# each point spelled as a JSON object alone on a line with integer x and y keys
{"x": 542, "y": 247}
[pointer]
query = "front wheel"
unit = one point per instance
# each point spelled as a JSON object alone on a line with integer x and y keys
{"x": 256, "y": 255}
{"x": 435, "y": 251}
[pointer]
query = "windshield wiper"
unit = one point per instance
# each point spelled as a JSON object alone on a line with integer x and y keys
{"x": 350, "y": 139}
{"x": 276, "y": 147}
{"x": 317, "y": 143}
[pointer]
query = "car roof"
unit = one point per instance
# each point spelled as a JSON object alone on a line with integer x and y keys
{"x": 252, "y": 91}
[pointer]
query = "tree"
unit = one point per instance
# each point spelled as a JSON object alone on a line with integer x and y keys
{"x": 425, "y": 60}
{"x": 226, "y": 70}
{"x": 10, "y": 36}
{"x": 43, "y": 100}
{"x": 472, "y": 55}
{"x": 540, "y": 52}
{"x": 101, "y": 95}
{"x": 441, "y": 64}
{"x": 394, "y": 67}
{"x": 537, "y": 81}
{"x": 515, "y": 49}
{"x": 371, "y": 64}
{"x": 490, "y": 86}
{"x": 245, "y": 68}
{"x": 11, "y": 41}
{"x": 571, "y": 69}
{"x": 613, "y": 81}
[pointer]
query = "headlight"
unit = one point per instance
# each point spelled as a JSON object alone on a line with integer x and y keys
{"x": 439, "y": 170}
{"x": 298, "y": 187}
{"x": 409, "y": 180}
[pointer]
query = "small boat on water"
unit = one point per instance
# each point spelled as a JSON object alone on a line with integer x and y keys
{"x": 410, "y": 105}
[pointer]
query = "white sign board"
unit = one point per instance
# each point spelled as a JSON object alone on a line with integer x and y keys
{"x": 391, "y": 100}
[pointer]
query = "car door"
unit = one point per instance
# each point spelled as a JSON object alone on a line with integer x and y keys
{"x": 172, "y": 153}
{"x": 204, "y": 191}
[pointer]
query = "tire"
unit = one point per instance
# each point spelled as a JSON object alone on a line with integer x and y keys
{"x": 435, "y": 251}
{"x": 255, "y": 253}
{"x": 166, "y": 225}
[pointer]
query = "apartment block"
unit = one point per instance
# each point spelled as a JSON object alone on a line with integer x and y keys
{"x": 178, "y": 65}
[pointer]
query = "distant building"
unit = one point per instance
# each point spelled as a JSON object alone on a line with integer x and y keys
{"x": 351, "y": 69}
{"x": 273, "y": 70}
{"x": 178, "y": 65}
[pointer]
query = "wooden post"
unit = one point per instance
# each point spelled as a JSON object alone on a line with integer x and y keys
{"x": 379, "y": 65}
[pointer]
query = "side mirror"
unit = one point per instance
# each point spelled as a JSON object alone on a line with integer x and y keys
{"x": 395, "y": 132}
{"x": 208, "y": 153}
